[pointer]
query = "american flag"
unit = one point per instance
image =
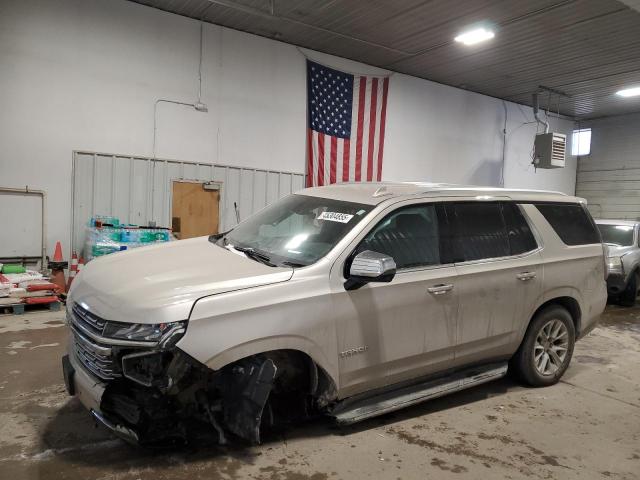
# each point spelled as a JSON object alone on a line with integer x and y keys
{"x": 345, "y": 126}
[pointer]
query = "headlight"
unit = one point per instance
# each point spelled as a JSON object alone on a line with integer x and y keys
{"x": 146, "y": 332}
{"x": 614, "y": 265}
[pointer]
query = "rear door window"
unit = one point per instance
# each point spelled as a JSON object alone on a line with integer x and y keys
{"x": 477, "y": 231}
{"x": 571, "y": 222}
{"x": 521, "y": 239}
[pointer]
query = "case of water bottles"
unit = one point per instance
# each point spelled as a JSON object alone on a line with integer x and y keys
{"x": 105, "y": 235}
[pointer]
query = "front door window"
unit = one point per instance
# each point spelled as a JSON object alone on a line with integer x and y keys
{"x": 410, "y": 235}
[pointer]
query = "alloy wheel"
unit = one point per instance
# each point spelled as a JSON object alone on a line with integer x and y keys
{"x": 551, "y": 347}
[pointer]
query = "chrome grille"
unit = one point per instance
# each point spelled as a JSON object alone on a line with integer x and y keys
{"x": 84, "y": 318}
{"x": 98, "y": 359}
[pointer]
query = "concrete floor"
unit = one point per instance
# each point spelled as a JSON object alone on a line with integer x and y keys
{"x": 586, "y": 427}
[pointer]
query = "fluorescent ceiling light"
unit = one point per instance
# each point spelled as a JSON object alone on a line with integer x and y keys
{"x": 629, "y": 92}
{"x": 475, "y": 36}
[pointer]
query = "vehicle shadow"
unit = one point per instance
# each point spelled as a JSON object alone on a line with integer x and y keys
{"x": 72, "y": 437}
{"x": 324, "y": 426}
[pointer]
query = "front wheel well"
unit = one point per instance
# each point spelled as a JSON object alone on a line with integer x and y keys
{"x": 296, "y": 370}
{"x": 568, "y": 303}
{"x": 266, "y": 390}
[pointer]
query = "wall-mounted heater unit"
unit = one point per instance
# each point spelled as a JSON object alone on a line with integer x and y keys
{"x": 549, "y": 150}
{"x": 549, "y": 147}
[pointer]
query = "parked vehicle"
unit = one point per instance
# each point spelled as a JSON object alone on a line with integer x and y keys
{"x": 623, "y": 259}
{"x": 348, "y": 300}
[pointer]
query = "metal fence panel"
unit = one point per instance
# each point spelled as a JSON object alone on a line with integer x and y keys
{"x": 121, "y": 196}
{"x": 138, "y": 190}
{"x": 259, "y": 190}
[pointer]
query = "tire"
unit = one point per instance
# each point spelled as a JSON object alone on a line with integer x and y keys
{"x": 529, "y": 362}
{"x": 628, "y": 296}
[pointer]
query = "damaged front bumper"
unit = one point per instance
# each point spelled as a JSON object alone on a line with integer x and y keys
{"x": 90, "y": 391}
{"x": 125, "y": 433}
{"x": 152, "y": 392}
{"x": 79, "y": 383}
{"x": 180, "y": 395}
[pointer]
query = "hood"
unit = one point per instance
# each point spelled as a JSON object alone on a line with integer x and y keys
{"x": 160, "y": 283}
{"x": 617, "y": 250}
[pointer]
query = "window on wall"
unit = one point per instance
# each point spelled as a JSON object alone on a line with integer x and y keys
{"x": 581, "y": 142}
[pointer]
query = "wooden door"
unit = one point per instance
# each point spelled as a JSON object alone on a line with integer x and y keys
{"x": 194, "y": 210}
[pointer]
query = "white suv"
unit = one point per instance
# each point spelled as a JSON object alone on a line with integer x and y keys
{"x": 349, "y": 300}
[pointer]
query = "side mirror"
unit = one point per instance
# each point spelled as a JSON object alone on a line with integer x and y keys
{"x": 369, "y": 266}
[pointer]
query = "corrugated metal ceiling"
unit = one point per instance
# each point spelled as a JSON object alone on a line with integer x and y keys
{"x": 588, "y": 49}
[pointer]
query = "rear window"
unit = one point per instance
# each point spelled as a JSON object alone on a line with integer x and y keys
{"x": 571, "y": 222}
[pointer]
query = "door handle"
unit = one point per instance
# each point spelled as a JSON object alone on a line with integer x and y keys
{"x": 524, "y": 276}
{"x": 440, "y": 289}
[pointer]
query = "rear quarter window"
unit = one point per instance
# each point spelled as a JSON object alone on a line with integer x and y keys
{"x": 571, "y": 222}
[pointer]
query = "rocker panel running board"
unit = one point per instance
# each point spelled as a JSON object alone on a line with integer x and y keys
{"x": 351, "y": 411}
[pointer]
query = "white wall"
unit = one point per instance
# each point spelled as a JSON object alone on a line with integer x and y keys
{"x": 439, "y": 133}
{"x": 84, "y": 74}
{"x": 609, "y": 177}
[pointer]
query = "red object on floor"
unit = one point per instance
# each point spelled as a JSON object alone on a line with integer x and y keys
{"x": 36, "y": 300}
{"x": 57, "y": 256}
{"x": 80, "y": 264}
{"x": 36, "y": 287}
{"x": 73, "y": 269}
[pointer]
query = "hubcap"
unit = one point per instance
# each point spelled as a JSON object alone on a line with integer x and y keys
{"x": 550, "y": 349}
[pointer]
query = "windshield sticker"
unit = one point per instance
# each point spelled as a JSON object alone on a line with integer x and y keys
{"x": 335, "y": 217}
{"x": 360, "y": 212}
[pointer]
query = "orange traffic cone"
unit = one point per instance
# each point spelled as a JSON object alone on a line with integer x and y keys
{"x": 57, "y": 255}
{"x": 57, "y": 266}
{"x": 73, "y": 269}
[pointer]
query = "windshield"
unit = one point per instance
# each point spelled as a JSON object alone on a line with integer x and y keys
{"x": 297, "y": 230}
{"x": 617, "y": 234}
